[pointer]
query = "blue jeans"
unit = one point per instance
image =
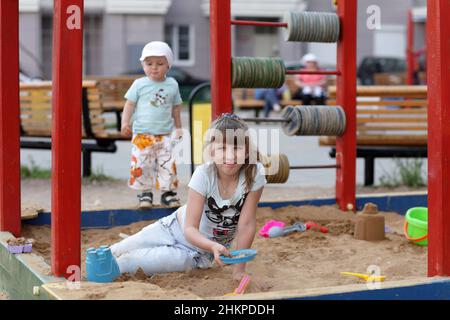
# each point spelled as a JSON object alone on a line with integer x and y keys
{"x": 158, "y": 248}
{"x": 270, "y": 98}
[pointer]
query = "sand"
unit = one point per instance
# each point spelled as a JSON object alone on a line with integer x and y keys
{"x": 300, "y": 260}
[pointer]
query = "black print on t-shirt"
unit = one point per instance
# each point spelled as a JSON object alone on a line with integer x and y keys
{"x": 226, "y": 225}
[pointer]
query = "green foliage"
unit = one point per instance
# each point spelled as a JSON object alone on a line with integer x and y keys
{"x": 407, "y": 172}
{"x": 98, "y": 175}
{"x": 34, "y": 171}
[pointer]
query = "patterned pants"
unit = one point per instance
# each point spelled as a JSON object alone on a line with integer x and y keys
{"x": 152, "y": 164}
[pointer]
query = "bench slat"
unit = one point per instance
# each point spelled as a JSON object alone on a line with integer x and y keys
{"x": 381, "y": 140}
{"x": 406, "y": 103}
{"x": 390, "y": 120}
{"x": 390, "y": 127}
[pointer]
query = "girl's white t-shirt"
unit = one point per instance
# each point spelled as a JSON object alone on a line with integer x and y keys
{"x": 220, "y": 216}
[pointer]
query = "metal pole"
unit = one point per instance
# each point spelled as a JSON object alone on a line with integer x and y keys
{"x": 312, "y": 72}
{"x": 346, "y": 97}
{"x": 265, "y": 120}
{"x": 259, "y": 23}
{"x": 66, "y": 117}
{"x": 9, "y": 118}
{"x": 220, "y": 25}
{"x": 326, "y": 166}
{"x": 438, "y": 49}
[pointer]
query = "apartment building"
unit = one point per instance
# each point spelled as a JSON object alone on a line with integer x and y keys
{"x": 116, "y": 30}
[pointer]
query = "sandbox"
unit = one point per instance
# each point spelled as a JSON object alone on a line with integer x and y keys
{"x": 299, "y": 261}
{"x": 300, "y": 266}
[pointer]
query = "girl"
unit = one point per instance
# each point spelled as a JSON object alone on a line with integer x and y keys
{"x": 223, "y": 196}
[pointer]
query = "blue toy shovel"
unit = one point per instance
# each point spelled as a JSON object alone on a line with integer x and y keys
{"x": 275, "y": 232}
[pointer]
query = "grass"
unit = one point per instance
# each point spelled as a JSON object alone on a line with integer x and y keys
{"x": 98, "y": 175}
{"x": 407, "y": 172}
{"x": 33, "y": 171}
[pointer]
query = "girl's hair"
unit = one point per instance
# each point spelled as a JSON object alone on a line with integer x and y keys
{"x": 221, "y": 128}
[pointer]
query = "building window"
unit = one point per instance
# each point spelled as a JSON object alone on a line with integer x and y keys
{"x": 47, "y": 46}
{"x": 92, "y": 45}
{"x": 181, "y": 39}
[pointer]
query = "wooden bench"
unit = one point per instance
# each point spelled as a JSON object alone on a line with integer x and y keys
{"x": 100, "y": 123}
{"x": 391, "y": 123}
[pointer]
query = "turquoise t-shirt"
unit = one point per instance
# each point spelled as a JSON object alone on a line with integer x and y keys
{"x": 154, "y": 101}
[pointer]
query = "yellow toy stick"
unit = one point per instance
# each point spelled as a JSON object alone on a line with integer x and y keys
{"x": 366, "y": 277}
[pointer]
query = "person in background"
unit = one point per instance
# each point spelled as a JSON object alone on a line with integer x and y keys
{"x": 271, "y": 97}
{"x": 311, "y": 86}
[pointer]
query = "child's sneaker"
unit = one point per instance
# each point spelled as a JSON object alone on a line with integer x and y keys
{"x": 145, "y": 200}
{"x": 170, "y": 199}
{"x": 276, "y": 107}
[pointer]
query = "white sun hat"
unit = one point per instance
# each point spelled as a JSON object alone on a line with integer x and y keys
{"x": 309, "y": 57}
{"x": 157, "y": 49}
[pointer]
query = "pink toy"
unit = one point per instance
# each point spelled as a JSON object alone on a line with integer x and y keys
{"x": 241, "y": 288}
{"x": 264, "y": 231}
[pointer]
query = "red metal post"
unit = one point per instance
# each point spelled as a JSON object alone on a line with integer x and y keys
{"x": 410, "y": 57}
{"x": 438, "y": 54}
{"x": 346, "y": 98}
{"x": 220, "y": 24}
{"x": 9, "y": 118}
{"x": 66, "y": 148}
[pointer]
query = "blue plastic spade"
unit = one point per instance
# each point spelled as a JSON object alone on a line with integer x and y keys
{"x": 275, "y": 232}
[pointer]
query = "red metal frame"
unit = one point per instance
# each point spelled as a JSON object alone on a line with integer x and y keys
{"x": 346, "y": 98}
{"x": 66, "y": 148}
{"x": 220, "y": 23}
{"x": 9, "y": 118}
{"x": 438, "y": 35}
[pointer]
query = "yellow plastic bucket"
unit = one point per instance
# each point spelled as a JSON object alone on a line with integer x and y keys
{"x": 416, "y": 226}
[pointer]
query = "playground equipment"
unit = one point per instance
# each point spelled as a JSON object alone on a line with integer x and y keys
{"x": 67, "y": 69}
{"x": 228, "y": 72}
{"x": 412, "y": 55}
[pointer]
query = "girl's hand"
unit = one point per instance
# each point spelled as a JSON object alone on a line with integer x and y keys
{"x": 218, "y": 250}
{"x": 125, "y": 130}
